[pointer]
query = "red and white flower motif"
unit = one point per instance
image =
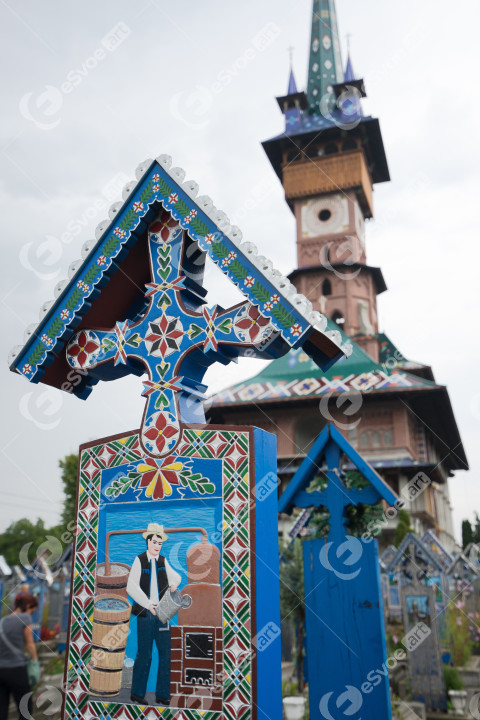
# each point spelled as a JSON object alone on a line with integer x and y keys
{"x": 120, "y": 233}
{"x": 209, "y": 239}
{"x": 193, "y": 213}
{"x": 46, "y": 340}
{"x": 65, "y": 314}
{"x": 226, "y": 261}
{"x": 156, "y": 188}
{"x": 158, "y": 478}
{"x": 296, "y": 329}
{"x": 275, "y": 299}
{"x": 101, "y": 260}
{"x": 249, "y": 281}
{"x": 250, "y": 323}
{"x": 138, "y": 206}
{"x": 80, "y": 284}
{"x": 162, "y": 432}
{"x": 82, "y": 349}
{"x": 268, "y": 305}
{"x": 156, "y": 178}
{"x": 165, "y": 336}
{"x": 232, "y": 255}
{"x": 163, "y": 226}
{"x": 173, "y": 198}
{"x": 27, "y": 368}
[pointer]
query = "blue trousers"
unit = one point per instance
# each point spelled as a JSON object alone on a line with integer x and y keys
{"x": 150, "y": 630}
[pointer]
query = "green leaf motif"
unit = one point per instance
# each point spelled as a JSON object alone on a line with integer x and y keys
{"x": 165, "y": 189}
{"x": 74, "y": 299}
{"x": 259, "y": 292}
{"x": 220, "y": 250}
{"x": 196, "y": 482}
{"x": 121, "y": 485}
{"x": 107, "y": 344}
{"x": 134, "y": 340}
{"x": 194, "y": 331}
{"x": 198, "y": 226}
{"x": 237, "y": 270}
{"x": 128, "y": 220}
{"x": 182, "y": 208}
{"x": 225, "y": 326}
{"x": 283, "y": 316}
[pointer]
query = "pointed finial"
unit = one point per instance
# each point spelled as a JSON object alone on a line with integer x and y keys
{"x": 290, "y": 50}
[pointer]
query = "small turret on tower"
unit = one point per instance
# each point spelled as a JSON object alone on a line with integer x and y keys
{"x": 328, "y": 159}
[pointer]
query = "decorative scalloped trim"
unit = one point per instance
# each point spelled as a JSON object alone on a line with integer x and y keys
{"x": 280, "y": 316}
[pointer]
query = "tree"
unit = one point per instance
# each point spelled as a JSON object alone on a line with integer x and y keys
{"x": 358, "y": 517}
{"x": 18, "y": 535}
{"x": 467, "y": 533}
{"x": 292, "y": 597}
{"x": 403, "y": 527}
{"x": 69, "y": 466}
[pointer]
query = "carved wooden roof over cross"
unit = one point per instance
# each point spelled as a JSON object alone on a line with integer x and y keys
{"x": 136, "y": 304}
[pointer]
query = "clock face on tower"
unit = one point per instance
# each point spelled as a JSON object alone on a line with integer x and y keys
{"x": 325, "y": 215}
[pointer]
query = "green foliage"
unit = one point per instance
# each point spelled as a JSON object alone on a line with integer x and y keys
{"x": 458, "y": 633}
{"x": 358, "y": 516}
{"x": 403, "y": 527}
{"x": 68, "y": 467}
{"x": 467, "y": 533}
{"x": 453, "y": 681}
{"x": 18, "y": 534}
{"x": 292, "y": 596}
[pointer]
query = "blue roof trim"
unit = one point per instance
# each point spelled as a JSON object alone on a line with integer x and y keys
{"x": 291, "y": 314}
{"x": 305, "y": 472}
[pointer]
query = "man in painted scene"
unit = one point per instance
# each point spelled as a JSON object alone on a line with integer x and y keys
{"x": 150, "y": 578}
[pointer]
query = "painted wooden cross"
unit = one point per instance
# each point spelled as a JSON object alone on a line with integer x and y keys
{"x": 174, "y": 339}
{"x": 343, "y": 611}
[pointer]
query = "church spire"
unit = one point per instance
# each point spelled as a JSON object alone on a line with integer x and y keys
{"x": 325, "y": 65}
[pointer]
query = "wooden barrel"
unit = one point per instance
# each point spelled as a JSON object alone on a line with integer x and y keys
{"x": 111, "y": 616}
{"x": 116, "y": 580}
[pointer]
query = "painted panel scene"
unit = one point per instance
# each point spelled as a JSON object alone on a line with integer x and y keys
{"x": 244, "y": 236}
{"x": 157, "y": 623}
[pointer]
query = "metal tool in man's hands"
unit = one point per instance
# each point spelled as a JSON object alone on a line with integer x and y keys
{"x": 170, "y": 604}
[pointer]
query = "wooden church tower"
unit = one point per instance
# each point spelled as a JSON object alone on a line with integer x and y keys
{"x": 328, "y": 159}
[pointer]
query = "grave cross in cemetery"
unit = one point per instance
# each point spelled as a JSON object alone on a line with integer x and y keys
{"x": 343, "y": 602}
{"x": 423, "y": 621}
{"x": 205, "y": 494}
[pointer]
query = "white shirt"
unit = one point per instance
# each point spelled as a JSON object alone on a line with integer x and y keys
{"x": 133, "y": 584}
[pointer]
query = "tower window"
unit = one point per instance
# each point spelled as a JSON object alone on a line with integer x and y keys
{"x": 338, "y": 318}
{"x": 331, "y": 148}
{"x": 349, "y": 144}
{"x": 324, "y": 215}
{"x": 311, "y": 151}
{"x": 326, "y": 287}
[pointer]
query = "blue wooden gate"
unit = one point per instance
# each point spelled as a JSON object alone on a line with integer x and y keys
{"x": 346, "y": 651}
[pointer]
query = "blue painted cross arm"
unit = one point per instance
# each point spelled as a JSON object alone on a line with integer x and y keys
{"x": 136, "y": 304}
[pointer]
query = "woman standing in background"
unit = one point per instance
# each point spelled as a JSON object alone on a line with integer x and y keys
{"x": 15, "y": 637}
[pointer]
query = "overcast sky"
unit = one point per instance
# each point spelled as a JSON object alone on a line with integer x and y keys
{"x": 92, "y": 89}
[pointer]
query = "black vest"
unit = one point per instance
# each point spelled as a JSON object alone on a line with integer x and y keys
{"x": 162, "y": 581}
